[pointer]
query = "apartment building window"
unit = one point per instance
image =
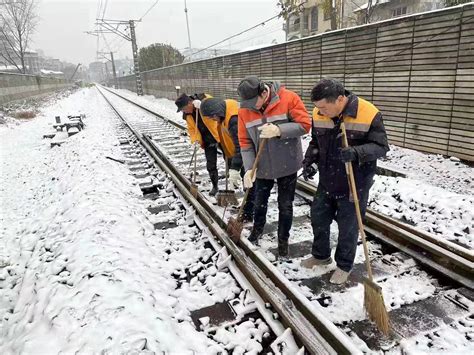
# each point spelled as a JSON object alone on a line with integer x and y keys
{"x": 296, "y": 24}
{"x": 305, "y": 22}
{"x": 399, "y": 11}
{"x": 314, "y": 19}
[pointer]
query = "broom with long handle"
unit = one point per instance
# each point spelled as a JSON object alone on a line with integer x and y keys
{"x": 226, "y": 197}
{"x": 194, "y": 188}
{"x": 373, "y": 298}
{"x": 235, "y": 225}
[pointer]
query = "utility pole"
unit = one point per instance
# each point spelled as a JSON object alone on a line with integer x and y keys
{"x": 103, "y": 55}
{"x": 187, "y": 25}
{"x": 112, "y": 26}
{"x": 113, "y": 68}
{"x": 136, "y": 66}
{"x": 106, "y": 72}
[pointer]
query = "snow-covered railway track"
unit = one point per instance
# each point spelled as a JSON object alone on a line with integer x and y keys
{"x": 419, "y": 297}
{"x": 452, "y": 260}
{"x": 310, "y": 329}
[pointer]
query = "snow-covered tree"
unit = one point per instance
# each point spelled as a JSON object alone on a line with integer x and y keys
{"x": 18, "y": 20}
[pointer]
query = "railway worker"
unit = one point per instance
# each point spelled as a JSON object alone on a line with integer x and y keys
{"x": 268, "y": 110}
{"x": 203, "y": 134}
{"x": 225, "y": 112}
{"x": 332, "y": 201}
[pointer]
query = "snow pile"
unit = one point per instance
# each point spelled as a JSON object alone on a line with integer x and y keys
{"x": 449, "y": 173}
{"x": 435, "y": 210}
{"x": 453, "y": 338}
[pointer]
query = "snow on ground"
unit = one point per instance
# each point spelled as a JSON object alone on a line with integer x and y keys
{"x": 454, "y": 338}
{"x": 82, "y": 269}
{"x": 162, "y": 106}
{"x": 423, "y": 199}
{"x": 443, "y": 213}
{"x": 416, "y": 285}
{"x": 449, "y": 173}
{"x": 9, "y": 110}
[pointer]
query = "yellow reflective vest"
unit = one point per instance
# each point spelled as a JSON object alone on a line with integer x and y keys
{"x": 193, "y": 131}
{"x": 225, "y": 138}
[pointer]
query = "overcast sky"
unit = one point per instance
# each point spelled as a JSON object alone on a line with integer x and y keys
{"x": 61, "y": 30}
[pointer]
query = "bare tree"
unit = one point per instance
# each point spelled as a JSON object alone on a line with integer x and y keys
{"x": 18, "y": 20}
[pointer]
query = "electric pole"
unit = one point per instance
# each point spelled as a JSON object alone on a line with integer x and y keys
{"x": 187, "y": 25}
{"x": 106, "y": 72}
{"x": 113, "y": 68}
{"x": 112, "y": 26}
{"x": 138, "y": 78}
{"x": 103, "y": 55}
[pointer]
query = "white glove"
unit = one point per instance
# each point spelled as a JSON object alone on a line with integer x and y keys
{"x": 248, "y": 181}
{"x": 269, "y": 130}
{"x": 197, "y": 104}
{"x": 234, "y": 178}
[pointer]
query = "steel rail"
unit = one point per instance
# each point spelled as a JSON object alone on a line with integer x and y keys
{"x": 316, "y": 333}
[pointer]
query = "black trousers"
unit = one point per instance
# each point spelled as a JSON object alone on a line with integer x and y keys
{"x": 286, "y": 195}
{"x": 326, "y": 208}
{"x": 210, "y": 151}
{"x": 249, "y": 206}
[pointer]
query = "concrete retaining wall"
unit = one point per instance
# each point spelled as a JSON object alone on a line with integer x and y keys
{"x": 19, "y": 86}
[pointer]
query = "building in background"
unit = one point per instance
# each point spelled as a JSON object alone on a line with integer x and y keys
{"x": 124, "y": 66}
{"x": 97, "y": 72}
{"x": 32, "y": 62}
{"x": 313, "y": 19}
{"x": 315, "y": 15}
{"x": 387, "y": 9}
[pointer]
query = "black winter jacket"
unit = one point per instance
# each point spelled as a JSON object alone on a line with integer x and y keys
{"x": 365, "y": 132}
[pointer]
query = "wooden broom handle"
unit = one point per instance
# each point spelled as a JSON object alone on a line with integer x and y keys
{"x": 226, "y": 174}
{"x": 254, "y": 171}
{"x": 352, "y": 187}
{"x": 195, "y": 148}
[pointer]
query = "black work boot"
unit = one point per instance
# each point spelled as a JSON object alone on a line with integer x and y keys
{"x": 283, "y": 248}
{"x": 214, "y": 175}
{"x": 246, "y": 218}
{"x": 255, "y": 235}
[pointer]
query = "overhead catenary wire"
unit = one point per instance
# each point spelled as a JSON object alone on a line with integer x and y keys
{"x": 105, "y": 8}
{"x": 99, "y": 7}
{"x": 147, "y": 11}
{"x": 267, "y": 31}
{"x": 262, "y": 23}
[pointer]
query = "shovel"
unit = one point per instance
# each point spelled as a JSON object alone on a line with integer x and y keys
{"x": 235, "y": 226}
{"x": 194, "y": 189}
{"x": 373, "y": 299}
{"x": 226, "y": 197}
